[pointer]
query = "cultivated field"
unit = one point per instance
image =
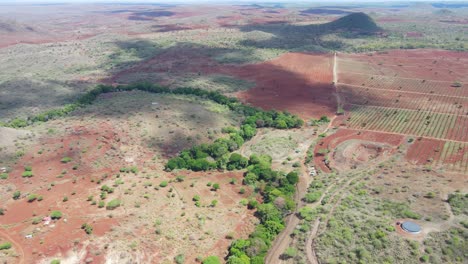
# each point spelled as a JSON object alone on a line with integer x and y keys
{"x": 405, "y": 92}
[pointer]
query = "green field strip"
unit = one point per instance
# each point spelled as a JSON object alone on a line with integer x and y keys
{"x": 458, "y": 129}
{"x": 396, "y": 120}
{"x": 439, "y": 129}
{"x": 465, "y": 159}
{"x": 363, "y": 117}
{"x": 450, "y": 153}
{"x": 412, "y": 116}
{"x": 449, "y": 125}
{"x": 400, "y": 118}
{"x": 443, "y": 155}
{"x": 381, "y": 122}
{"x": 437, "y": 119}
{"x": 371, "y": 123}
{"x": 374, "y": 114}
{"x": 356, "y": 115}
{"x": 420, "y": 124}
{"x": 428, "y": 132}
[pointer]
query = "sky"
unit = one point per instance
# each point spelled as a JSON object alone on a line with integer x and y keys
{"x": 204, "y": 1}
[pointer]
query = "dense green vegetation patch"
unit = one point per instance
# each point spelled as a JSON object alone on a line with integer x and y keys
{"x": 459, "y": 203}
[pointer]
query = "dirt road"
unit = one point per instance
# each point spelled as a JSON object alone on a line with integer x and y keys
{"x": 15, "y": 244}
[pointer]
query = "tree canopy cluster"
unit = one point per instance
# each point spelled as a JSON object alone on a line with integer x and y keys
{"x": 254, "y": 116}
{"x": 277, "y": 190}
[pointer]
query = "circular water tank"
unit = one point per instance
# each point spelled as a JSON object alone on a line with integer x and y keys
{"x": 411, "y": 227}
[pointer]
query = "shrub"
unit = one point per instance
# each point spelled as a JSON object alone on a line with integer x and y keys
{"x": 3, "y": 176}
{"x": 65, "y": 199}
{"x": 101, "y": 204}
{"x": 179, "y": 259}
{"x": 56, "y": 215}
{"x": 27, "y": 168}
{"x": 163, "y": 184}
{"x": 411, "y": 214}
{"x": 290, "y": 252}
{"x": 16, "y": 195}
{"x": 215, "y": 186}
{"x": 312, "y": 197}
{"x": 134, "y": 169}
{"x": 65, "y": 159}
{"x": 27, "y": 174}
{"x": 196, "y": 198}
{"x": 107, "y": 189}
{"x": 211, "y": 260}
{"x": 32, "y": 198}
{"x": 87, "y": 228}
{"x": 113, "y": 204}
{"x": 55, "y": 261}
{"x": 6, "y": 245}
{"x": 214, "y": 203}
{"x": 180, "y": 178}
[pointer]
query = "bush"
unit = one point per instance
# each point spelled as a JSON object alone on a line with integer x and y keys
{"x": 2, "y": 211}
{"x": 66, "y": 159}
{"x": 32, "y": 197}
{"x": 179, "y": 259}
{"x": 215, "y": 186}
{"x": 163, "y": 184}
{"x": 113, "y": 204}
{"x": 101, "y": 204}
{"x": 3, "y": 176}
{"x": 6, "y": 245}
{"x": 211, "y": 260}
{"x": 290, "y": 252}
{"x": 27, "y": 174}
{"x": 16, "y": 195}
{"x": 312, "y": 197}
{"x": 214, "y": 203}
{"x": 87, "y": 228}
{"x": 27, "y": 168}
{"x": 56, "y": 215}
{"x": 196, "y": 198}
{"x": 55, "y": 261}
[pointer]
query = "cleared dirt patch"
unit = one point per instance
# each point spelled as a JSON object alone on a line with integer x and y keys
{"x": 324, "y": 161}
{"x": 353, "y": 153}
{"x": 300, "y": 83}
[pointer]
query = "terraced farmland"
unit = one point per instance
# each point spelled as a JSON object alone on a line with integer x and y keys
{"x": 411, "y": 93}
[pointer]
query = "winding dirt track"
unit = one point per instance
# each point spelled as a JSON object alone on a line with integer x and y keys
{"x": 15, "y": 244}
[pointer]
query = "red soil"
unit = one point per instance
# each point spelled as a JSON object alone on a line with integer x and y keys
{"x": 423, "y": 150}
{"x": 300, "y": 83}
{"x": 58, "y": 238}
{"x": 343, "y": 135}
{"x": 426, "y": 151}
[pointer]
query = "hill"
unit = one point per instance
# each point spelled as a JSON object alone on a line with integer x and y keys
{"x": 359, "y": 22}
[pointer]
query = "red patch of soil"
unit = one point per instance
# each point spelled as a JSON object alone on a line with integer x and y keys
{"x": 330, "y": 143}
{"x": 84, "y": 145}
{"x": 300, "y": 83}
{"x": 414, "y": 34}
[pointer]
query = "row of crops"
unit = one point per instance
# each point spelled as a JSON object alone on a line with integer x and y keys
{"x": 403, "y": 84}
{"x": 410, "y": 122}
{"x": 453, "y": 155}
{"x": 398, "y": 99}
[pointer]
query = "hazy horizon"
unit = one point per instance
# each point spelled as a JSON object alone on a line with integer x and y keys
{"x": 215, "y": 1}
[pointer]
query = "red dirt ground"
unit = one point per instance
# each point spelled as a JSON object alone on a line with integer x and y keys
{"x": 48, "y": 240}
{"x": 300, "y": 83}
{"x": 344, "y": 134}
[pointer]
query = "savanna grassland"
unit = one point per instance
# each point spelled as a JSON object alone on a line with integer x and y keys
{"x": 255, "y": 133}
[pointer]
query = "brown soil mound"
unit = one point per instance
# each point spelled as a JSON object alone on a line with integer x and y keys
{"x": 353, "y": 153}
{"x": 321, "y": 156}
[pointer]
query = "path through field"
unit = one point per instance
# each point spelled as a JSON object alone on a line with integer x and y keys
{"x": 15, "y": 244}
